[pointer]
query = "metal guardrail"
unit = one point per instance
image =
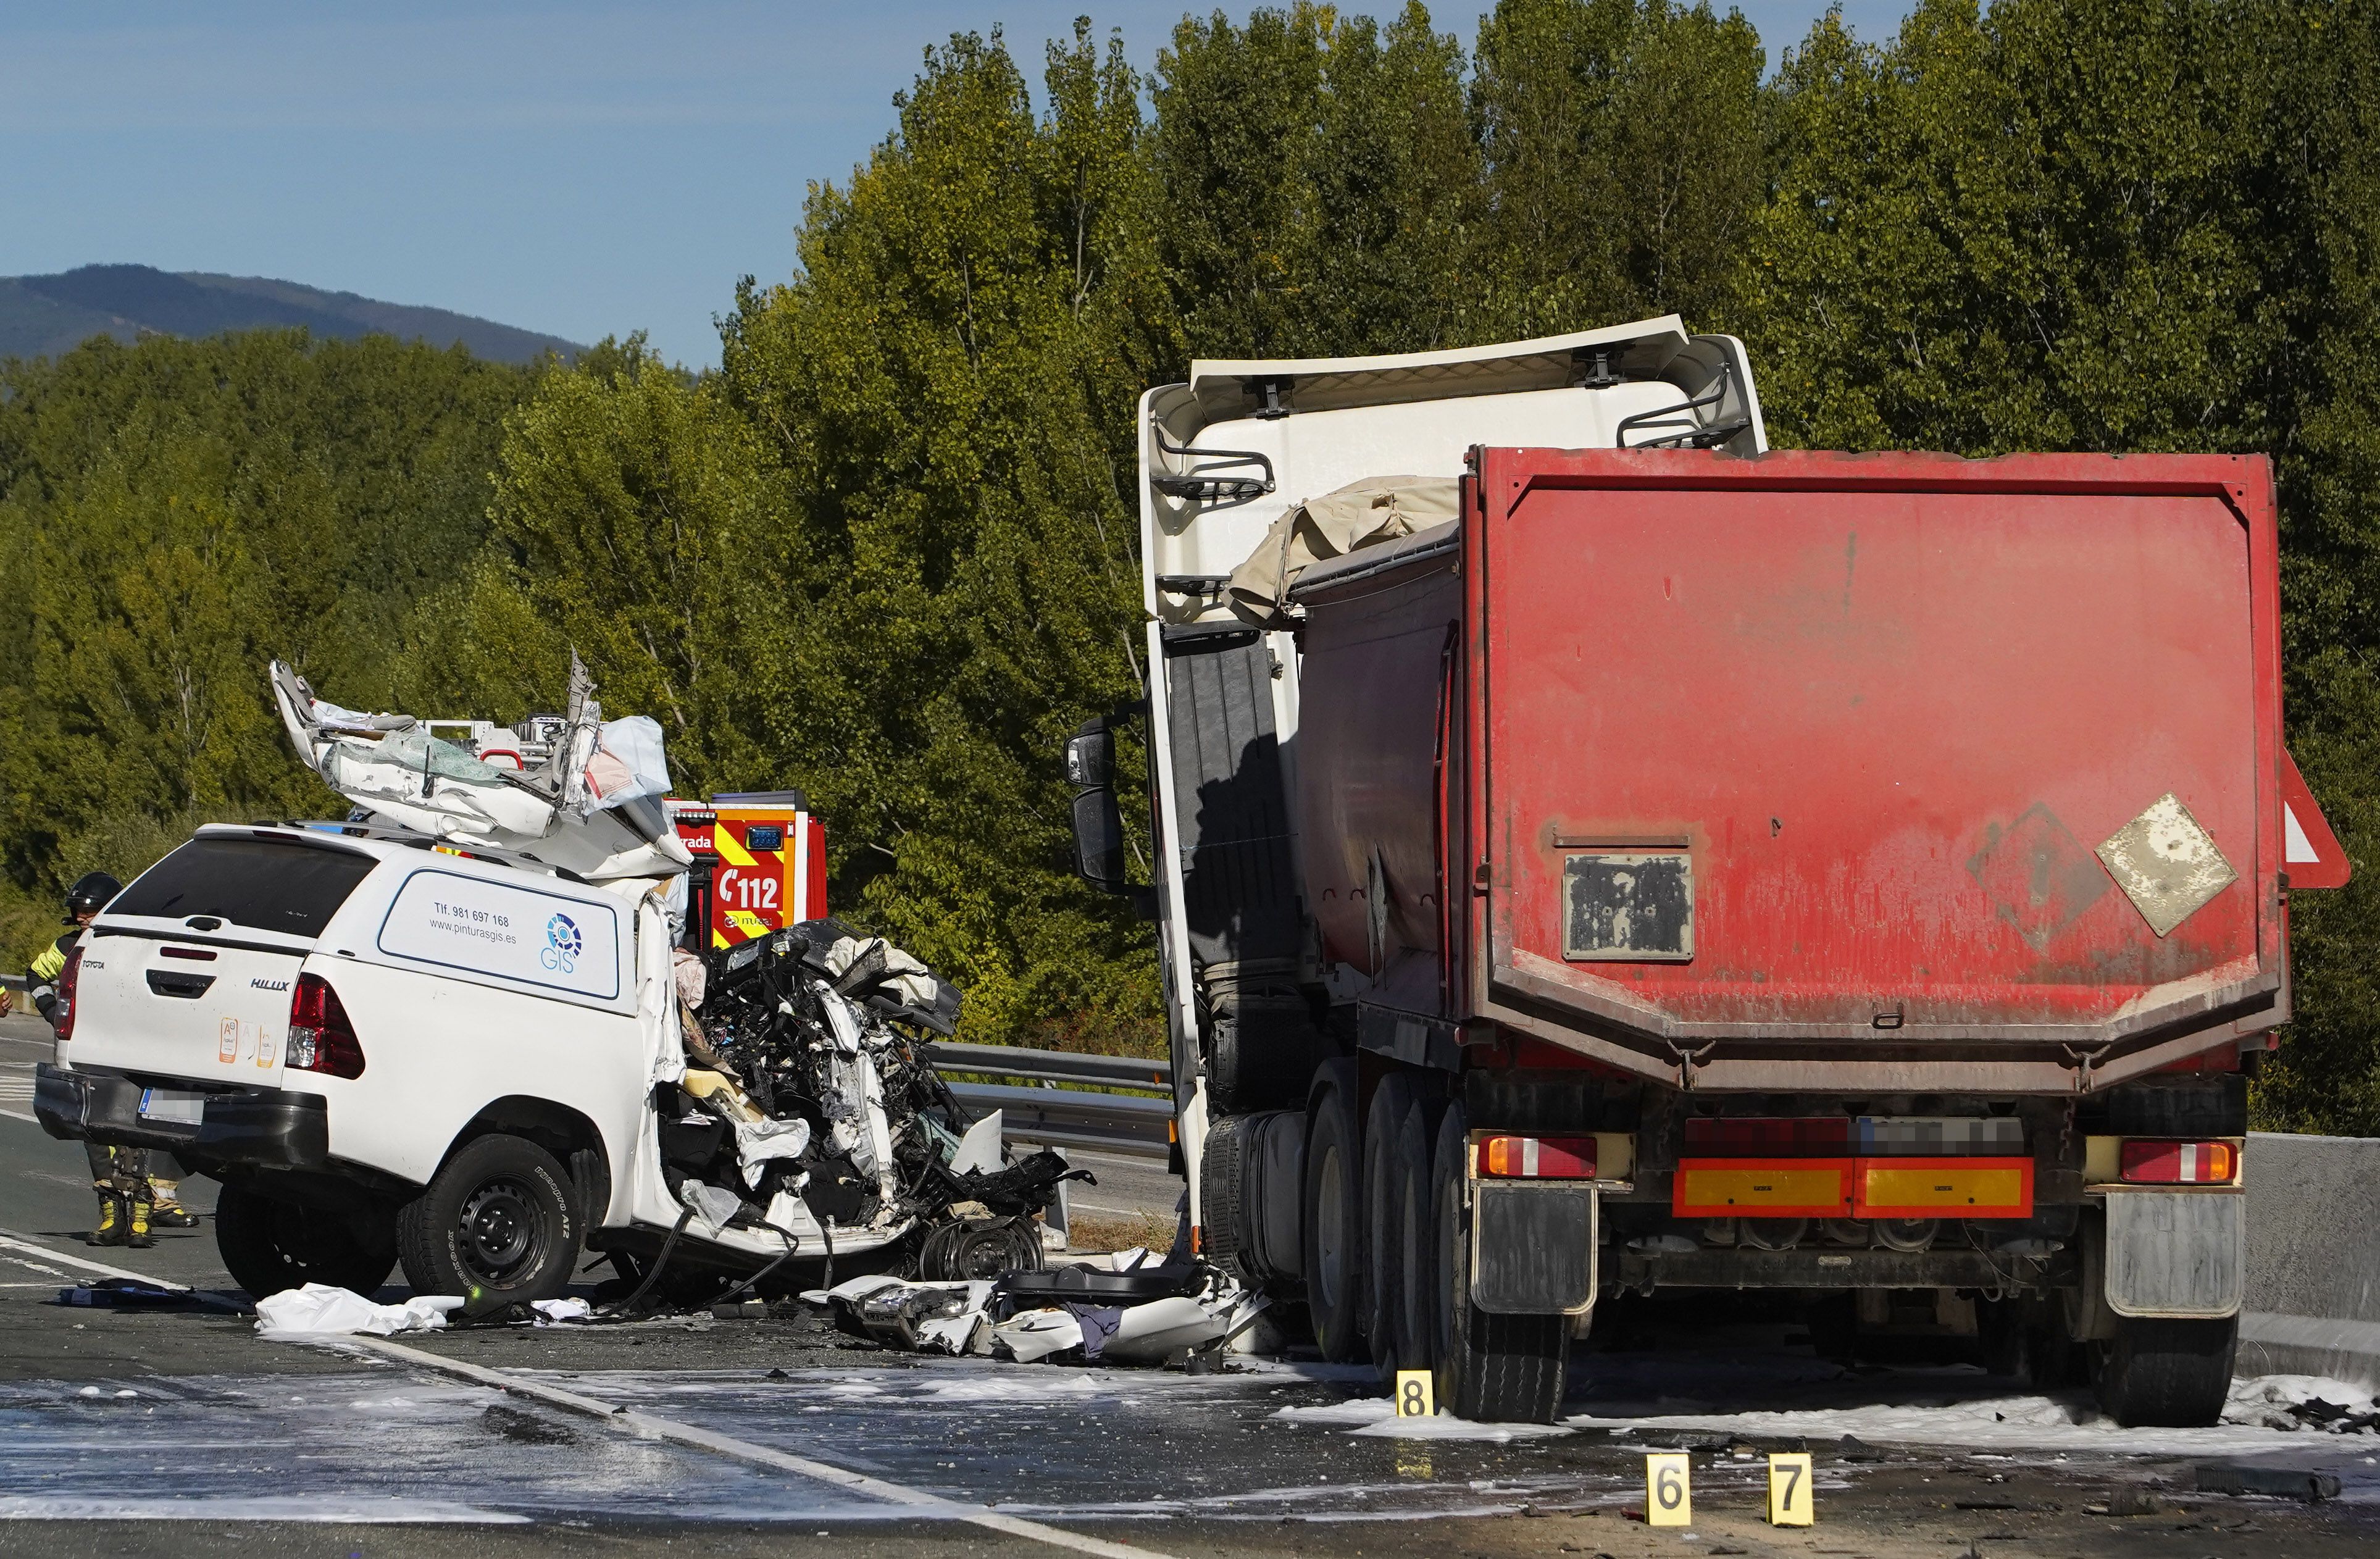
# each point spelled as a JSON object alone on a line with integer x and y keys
{"x": 1083, "y": 1114}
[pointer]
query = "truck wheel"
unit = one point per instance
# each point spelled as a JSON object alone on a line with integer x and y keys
{"x": 1491, "y": 1369}
{"x": 1412, "y": 1214}
{"x": 1334, "y": 1224}
{"x": 2168, "y": 1373}
{"x": 498, "y": 1223}
{"x": 268, "y": 1246}
{"x": 1393, "y": 1107}
{"x": 1222, "y": 1175}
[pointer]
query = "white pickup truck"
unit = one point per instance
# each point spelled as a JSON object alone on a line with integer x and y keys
{"x": 457, "y": 1034}
{"x": 384, "y": 1051}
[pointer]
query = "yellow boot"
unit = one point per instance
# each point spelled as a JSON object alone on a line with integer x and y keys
{"x": 138, "y": 1225}
{"x": 165, "y": 1209}
{"x": 113, "y": 1221}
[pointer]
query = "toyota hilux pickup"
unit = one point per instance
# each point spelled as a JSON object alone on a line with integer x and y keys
{"x": 417, "y": 1036}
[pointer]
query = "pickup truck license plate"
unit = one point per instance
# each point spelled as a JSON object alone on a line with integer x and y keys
{"x": 171, "y": 1104}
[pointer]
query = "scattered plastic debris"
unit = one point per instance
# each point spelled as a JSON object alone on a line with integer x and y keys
{"x": 1133, "y": 1311}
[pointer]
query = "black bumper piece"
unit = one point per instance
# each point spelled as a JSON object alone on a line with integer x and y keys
{"x": 267, "y": 1128}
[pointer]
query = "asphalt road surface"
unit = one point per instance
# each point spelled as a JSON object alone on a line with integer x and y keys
{"x": 176, "y": 1430}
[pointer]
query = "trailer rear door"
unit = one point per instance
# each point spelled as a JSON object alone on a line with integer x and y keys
{"x": 1891, "y": 750}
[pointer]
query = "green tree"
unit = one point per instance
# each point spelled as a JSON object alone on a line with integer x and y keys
{"x": 179, "y": 513}
{"x": 1624, "y": 166}
{"x": 1320, "y": 180}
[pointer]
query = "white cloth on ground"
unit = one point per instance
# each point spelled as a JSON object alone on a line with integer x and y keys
{"x": 318, "y": 1309}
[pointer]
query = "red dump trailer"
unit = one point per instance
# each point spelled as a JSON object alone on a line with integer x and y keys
{"x": 1702, "y": 867}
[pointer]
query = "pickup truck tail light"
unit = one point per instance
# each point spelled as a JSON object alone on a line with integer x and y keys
{"x": 2179, "y": 1164}
{"x": 320, "y": 1037}
{"x": 1537, "y": 1158}
{"x": 66, "y": 979}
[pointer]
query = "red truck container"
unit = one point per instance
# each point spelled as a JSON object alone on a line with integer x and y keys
{"x": 1699, "y": 867}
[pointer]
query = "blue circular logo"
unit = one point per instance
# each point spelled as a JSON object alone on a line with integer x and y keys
{"x": 561, "y": 943}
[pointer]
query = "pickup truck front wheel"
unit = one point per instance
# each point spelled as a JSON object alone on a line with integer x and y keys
{"x": 496, "y": 1225}
{"x": 268, "y": 1246}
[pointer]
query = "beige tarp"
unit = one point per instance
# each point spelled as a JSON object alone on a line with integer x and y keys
{"x": 1361, "y": 513}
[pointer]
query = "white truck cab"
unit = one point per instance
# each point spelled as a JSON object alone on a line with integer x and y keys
{"x": 389, "y": 1049}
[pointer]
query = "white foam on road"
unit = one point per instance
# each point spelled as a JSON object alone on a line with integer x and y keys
{"x": 1376, "y": 1417}
{"x": 1958, "y": 1408}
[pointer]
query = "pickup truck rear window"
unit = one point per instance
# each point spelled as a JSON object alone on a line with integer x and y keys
{"x": 265, "y": 885}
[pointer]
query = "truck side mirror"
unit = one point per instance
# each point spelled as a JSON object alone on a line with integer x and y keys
{"x": 1098, "y": 822}
{"x": 1099, "y": 841}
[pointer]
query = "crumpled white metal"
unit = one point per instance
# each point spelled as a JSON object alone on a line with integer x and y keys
{"x": 592, "y": 806}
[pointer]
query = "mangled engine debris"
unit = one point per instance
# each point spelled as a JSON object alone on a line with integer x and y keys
{"x": 806, "y": 1112}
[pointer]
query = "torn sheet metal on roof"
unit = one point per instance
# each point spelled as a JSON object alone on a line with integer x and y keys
{"x": 590, "y": 802}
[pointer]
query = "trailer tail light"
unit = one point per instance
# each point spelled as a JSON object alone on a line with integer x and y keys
{"x": 320, "y": 1037}
{"x": 1537, "y": 1158}
{"x": 67, "y": 977}
{"x": 2179, "y": 1164}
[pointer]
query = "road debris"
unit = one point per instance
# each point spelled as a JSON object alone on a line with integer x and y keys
{"x": 2279, "y": 1482}
{"x": 1134, "y": 1310}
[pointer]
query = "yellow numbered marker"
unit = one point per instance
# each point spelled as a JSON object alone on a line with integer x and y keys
{"x": 1416, "y": 1396}
{"x": 1789, "y": 1490}
{"x": 1667, "y": 1501}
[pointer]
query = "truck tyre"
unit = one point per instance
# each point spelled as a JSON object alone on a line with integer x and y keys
{"x": 1410, "y": 1214}
{"x": 1222, "y": 1196}
{"x": 1393, "y": 1107}
{"x": 2168, "y": 1373}
{"x": 498, "y": 1223}
{"x": 1334, "y": 1222}
{"x": 1491, "y": 1369}
{"x": 268, "y": 1246}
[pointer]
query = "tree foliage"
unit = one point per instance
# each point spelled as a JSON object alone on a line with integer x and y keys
{"x": 887, "y": 552}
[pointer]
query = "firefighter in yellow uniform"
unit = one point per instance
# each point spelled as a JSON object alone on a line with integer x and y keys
{"x": 131, "y": 1197}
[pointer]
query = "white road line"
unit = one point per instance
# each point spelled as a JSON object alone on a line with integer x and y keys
{"x": 646, "y": 1426}
{"x": 20, "y": 1115}
{"x": 10, "y": 1239}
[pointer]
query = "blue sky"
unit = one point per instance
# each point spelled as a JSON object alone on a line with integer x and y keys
{"x": 585, "y": 169}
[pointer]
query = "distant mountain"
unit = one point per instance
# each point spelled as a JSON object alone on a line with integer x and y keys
{"x": 44, "y": 316}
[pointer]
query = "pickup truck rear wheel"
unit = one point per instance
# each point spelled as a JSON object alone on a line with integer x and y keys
{"x": 2170, "y": 1373}
{"x": 1491, "y": 1369}
{"x": 268, "y": 1246}
{"x": 496, "y": 1224}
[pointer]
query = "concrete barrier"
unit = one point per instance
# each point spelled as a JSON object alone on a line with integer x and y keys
{"x": 2314, "y": 1258}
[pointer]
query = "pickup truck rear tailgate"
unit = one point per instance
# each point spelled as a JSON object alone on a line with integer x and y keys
{"x": 161, "y": 1000}
{"x": 1880, "y": 751}
{"x": 188, "y": 972}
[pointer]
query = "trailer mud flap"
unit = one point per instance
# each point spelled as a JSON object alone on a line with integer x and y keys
{"x": 1533, "y": 1247}
{"x": 2179, "y": 1254}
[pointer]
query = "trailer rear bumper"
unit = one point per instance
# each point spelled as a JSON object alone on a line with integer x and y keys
{"x": 1818, "y": 1268}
